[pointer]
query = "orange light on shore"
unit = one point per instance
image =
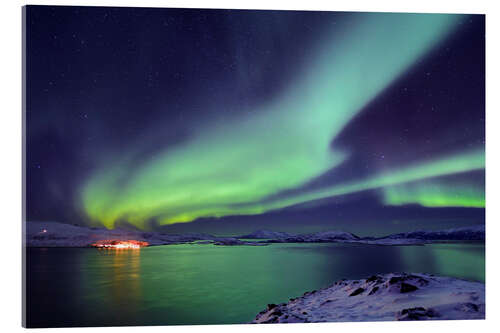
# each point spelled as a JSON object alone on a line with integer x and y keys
{"x": 119, "y": 244}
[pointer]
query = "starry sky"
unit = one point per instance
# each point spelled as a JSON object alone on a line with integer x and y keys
{"x": 227, "y": 121}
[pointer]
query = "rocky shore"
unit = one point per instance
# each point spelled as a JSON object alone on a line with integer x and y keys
{"x": 395, "y": 296}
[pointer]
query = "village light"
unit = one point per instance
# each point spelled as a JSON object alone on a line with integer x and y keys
{"x": 119, "y": 244}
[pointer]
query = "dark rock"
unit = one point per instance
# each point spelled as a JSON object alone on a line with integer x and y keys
{"x": 373, "y": 291}
{"x": 423, "y": 282}
{"x": 357, "y": 292}
{"x": 395, "y": 279}
{"x": 373, "y": 278}
{"x": 417, "y": 309}
{"x": 271, "y": 320}
{"x": 420, "y": 280}
{"x": 417, "y": 313}
{"x": 277, "y": 312}
{"x": 469, "y": 307}
{"x": 406, "y": 287}
{"x": 271, "y": 306}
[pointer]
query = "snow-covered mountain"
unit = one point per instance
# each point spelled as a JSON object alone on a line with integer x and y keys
{"x": 323, "y": 236}
{"x": 408, "y": 238}
{"x": 466, "y": 233}
{"x": 266, "y": 234}
{"x": 53, "y": 234}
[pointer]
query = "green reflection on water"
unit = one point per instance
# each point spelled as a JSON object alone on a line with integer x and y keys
{"x": 207, "y": 284}
{"x": 213, "y": 283}
{"x": 459, "y": 260}
{"x": 455, "y": 260}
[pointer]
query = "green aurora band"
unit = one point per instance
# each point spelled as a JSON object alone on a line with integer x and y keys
{"x": 435, "y": 194}
{"x": 231, "y": 168}
{"x": 427, "y": 171}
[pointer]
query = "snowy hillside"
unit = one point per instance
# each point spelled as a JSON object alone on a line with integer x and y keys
{"x": 396, "y": 296}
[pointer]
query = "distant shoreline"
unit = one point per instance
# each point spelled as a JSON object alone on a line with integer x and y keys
{"x": 264, "y": 243}
{"x": 53, "y": 234}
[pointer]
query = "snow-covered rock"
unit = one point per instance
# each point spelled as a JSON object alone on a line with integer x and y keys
{"x": 395, "y": 296}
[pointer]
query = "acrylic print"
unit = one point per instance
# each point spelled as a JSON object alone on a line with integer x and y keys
{"x": 188, "y": 166}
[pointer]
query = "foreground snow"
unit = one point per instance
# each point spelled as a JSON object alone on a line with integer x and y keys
{"x": 396, "y": 296}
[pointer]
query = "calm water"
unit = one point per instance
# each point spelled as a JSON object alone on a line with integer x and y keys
{"x": 206, "y": 284}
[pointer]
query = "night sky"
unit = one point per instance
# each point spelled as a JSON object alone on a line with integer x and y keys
{"x": 228, "y": 121}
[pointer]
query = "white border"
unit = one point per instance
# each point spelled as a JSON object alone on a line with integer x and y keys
{"x": 10, "y": 219}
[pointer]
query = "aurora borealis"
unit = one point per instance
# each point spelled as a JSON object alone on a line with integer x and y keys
{"x": 157, "y": 117}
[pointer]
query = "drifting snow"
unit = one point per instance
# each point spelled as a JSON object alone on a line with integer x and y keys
{"x": 396, "y": 296}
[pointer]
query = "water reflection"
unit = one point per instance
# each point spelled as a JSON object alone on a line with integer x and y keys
{"x": 122, "y": 270}
{"x": 206, "y": 284}
{"x": 113, "y": 284}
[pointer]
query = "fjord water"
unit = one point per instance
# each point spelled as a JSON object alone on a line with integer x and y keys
{"x": 207, "y": 284}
